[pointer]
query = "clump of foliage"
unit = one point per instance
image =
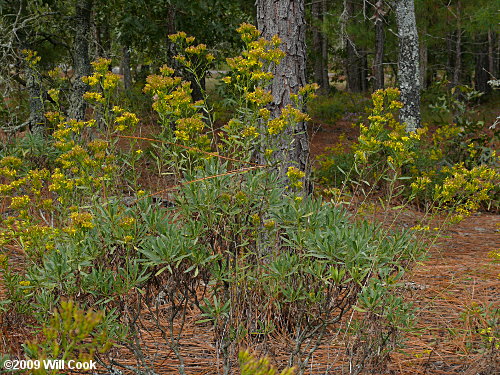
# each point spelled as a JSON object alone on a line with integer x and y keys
{"x": 255, "y": 259}
{"x": 72, "y": 334}
{"x": 449, "y": 167}
{"x": 249, "y": 365}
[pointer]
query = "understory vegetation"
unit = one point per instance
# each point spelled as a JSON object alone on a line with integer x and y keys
{"x": 96, "y": 262}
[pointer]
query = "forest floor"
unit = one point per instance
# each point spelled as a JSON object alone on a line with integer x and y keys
{"x": 447, "y": 289}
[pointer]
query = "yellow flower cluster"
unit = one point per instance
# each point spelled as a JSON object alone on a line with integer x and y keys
{"x": 127, "y": 222}
{"x": 295, "y": 177}
{"x": 250, "y": 131}
{"x": 102, "y": 78}
{"x": 420, "y": 184}
{"x": 54, "y": 94}
{"x": 31, "y": 57}
{"x": 248, "y": 32}
{"x": 81, "y": 220}
{"x": 259, "y": 96}
{"x": 81, "y": 170}
{"x": 252, "y": 67}
{"x": 20, "y": 202}
{"x": 465, "y": 189}
{"x": 172, "y": 97}
{"x": 288, "y": 117}
{"x": 101, "y": 65}
{"x": 94, "y": 98}
{"x": 199, "y": 51}
{"x": 54, "y": 117}
{"x": 189, "y": 128}
{"x": 125, "y": 120}
{"x": 178, "y": 37}
{"x": 385, "y": 135}
{"x": 305, "y": 93}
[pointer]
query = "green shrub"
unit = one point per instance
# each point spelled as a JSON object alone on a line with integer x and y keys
{"x": 255, "y": 259}
{"x": 450, "y": 167}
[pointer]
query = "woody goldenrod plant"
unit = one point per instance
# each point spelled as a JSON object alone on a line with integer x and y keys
{"x": 71, "y": 334}
{"x": 421, "y": 167}
{"x": 252, "y": 259}
{"x": 249, "y": 365}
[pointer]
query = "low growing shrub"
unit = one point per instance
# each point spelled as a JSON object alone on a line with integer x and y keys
{"x": 252, "y": 259}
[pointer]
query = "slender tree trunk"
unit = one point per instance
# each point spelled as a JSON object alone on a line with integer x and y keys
{"x": 408, "y": 64}
{"x": 423, "y": 64}
{"x": 102, "y": 40}
{"x": 352, "y": 62}
{"x": 363, "y": 70}
{"x": 450, "y": 55}
{"x": 81, "y": 60}
{"x": 125, "y": 68}
{"x": 320, "y": 47}
{"x": 482, "y": 75}
{"x": 457, "y": 71}
{"x": 285, "y": 18}
{"x": 491, "y": 54}
{"x": 378, "y": 61}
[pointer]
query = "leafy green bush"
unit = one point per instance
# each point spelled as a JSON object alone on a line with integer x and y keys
{"x": 249, "y": 365}
{"x": 450, "y": 167}
{"x": 255, "y": 259}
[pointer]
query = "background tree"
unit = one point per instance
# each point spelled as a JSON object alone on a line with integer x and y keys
{"x": 408, "y": 62}
{"x": 356, "y": 59}
{"x": 286, "y": 19}
{"x": 319, "y": 46}
{"x": 378, "y": 61}
{"x": 81, "y": 58}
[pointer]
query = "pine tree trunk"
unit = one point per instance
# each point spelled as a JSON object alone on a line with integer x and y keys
{"x": 102, "y": 41}
{"x": 378, "y": 61}
{"x": 408, "y": 64}
{"x": 450, "y": 61}
{"x": 491, "y": 54}
{"x": 457, "y": 71}
{"x": 285, "y": 18}
{"x": 363, "y": 70}
{"x": 81, "y": 60}
{"x": 125, "y": 68}
{"x": 353, "y": 60}
{"x": 482, "y": 75}
{"x": 320, "y": 47}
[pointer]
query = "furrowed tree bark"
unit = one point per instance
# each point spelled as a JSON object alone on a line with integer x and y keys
{"x": 285, "y": 18}
{"x": 320, "y": 47}
{"x": 81, "y": 59}
{"x": 408, "y": 64}
{"x": 378, "y": 62}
